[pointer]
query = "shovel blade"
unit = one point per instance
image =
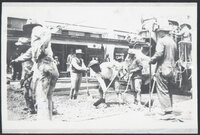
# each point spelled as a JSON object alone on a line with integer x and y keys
{"x": 147, "y": 103}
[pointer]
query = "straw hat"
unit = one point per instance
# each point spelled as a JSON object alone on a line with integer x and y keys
{"x": 22, "y": 41}
{"x": 166, "y": 28}
{"x": 185, "y": 24}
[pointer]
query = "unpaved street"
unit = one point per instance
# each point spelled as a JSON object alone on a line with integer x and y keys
{"x": 82, "y": 110}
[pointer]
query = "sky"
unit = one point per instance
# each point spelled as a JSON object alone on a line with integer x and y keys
{"x": 121, "y": 16}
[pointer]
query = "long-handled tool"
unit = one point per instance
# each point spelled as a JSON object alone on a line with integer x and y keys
{"x": 90, "y": 97}
{"x": 150, "y": 102}
{"x": 129, "y": 79}
{"x": 88, "y": 92}
{"x": 150, "y": 72}
{"x": 111, "y": 81}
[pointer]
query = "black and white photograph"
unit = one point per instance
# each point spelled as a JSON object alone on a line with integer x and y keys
{"x": 99, "y": 67}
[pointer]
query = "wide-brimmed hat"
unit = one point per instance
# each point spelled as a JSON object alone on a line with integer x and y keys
{"x": 22, "y": 41}
{"x": 79, "y": 51}
{"x": 131, "y": 51}
{"x": 93, "y": 62}
{"x": 164, "y": 28}
{"x": 30, "y": 24}
{"x": 185, "y": 24}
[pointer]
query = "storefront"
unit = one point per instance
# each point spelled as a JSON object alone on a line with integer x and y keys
{"x": 63, "y": 50}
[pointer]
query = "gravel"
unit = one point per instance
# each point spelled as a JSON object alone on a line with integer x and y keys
{"x": 80, "y": 109}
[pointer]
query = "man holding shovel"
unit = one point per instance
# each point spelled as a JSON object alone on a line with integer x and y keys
{"x": 106, "y": 74}
{"x": 134, "y": 69}
{"x": 165, "y": 56}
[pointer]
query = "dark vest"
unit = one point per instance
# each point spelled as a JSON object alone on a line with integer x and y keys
{"x": 79, "y": 62}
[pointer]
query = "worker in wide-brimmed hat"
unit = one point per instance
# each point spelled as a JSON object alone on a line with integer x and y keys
{"x": 77, "y": 69}
{"x": 17, "y": 66}
{"x": 165, "y": 57}
{"x": 134, "y": 68}
{"x": 26, "y": 74}
{"x": 185, "y": 32}
{"x": 45, "y": 73}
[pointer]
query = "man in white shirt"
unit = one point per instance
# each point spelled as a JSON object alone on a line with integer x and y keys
{"x": 45, "y": 71}
{"x": 77, "y": 69}
{"x": 69, "y": 60}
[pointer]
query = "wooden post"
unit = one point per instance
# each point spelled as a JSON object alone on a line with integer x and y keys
{"x": 150, "y": 73}
{"x": 186, "y": 57}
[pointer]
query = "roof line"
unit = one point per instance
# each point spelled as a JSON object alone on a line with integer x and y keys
{"x": 76, "y": 25}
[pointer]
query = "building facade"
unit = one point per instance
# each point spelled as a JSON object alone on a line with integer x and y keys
{"x": 94, "y": 41}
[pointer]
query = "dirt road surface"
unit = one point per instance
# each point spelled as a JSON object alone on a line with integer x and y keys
{"x": 119, "y": 118}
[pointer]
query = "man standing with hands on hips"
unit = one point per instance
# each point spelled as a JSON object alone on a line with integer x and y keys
{"x": 77, "y": 69}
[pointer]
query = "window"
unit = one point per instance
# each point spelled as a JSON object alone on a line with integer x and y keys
{"x": 64, "y": 32}
{"x": 95, "y": 35}
{"x": 16, "y": 23}
{"x": 121, "y": 37}
{"x": 76, "y": 33}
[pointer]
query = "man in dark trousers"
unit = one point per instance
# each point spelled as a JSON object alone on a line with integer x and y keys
{"x": 17, "y": 66}
{"x": 165, "y": 56}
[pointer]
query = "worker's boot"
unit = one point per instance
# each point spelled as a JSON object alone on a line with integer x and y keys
{"x": 139, "y": 98}
{"x": 72, "y": 94}
{"x": 98, "y": 102}
{"x": 119, "y": 95}
{"x": 75, "y": 96}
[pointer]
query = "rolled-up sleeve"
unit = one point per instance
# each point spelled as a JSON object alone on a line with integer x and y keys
{"x": 40, "y": 40}
{"x": 75, "y": 65}
{"x": 26, "y": 56}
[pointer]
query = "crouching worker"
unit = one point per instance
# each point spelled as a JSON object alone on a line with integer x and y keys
{"x": 134, "y": 68}
{"x": 106, "y": 74}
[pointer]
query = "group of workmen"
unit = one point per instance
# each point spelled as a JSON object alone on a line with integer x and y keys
{"x": 41, "y": 74}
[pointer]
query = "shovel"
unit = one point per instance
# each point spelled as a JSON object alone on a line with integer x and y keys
{"x": 88, "y": 92}
{"x": 150, "y": 102}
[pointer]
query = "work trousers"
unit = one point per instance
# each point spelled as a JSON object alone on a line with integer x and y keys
{"x": 44, "y": 80}
{"x": 136, "y": 84}
{"x": 17, "y": 68}
{"x": 28, "y": 93}
{"x": 75, "y": 84}
{"x": 164, "y": 85}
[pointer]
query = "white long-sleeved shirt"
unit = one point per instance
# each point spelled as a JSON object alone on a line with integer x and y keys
{"x": 77, "y": 65}
{"x": 40, "y": 42}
